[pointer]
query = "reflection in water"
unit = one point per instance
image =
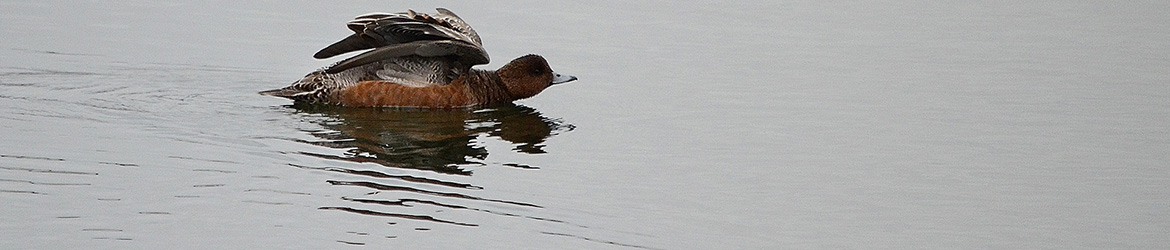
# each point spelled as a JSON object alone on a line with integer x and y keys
{"x": 433, "y": 140}
{"x": 442, "y": 141}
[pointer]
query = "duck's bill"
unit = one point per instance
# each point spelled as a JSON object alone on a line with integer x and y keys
{"x": 559, "y": 79}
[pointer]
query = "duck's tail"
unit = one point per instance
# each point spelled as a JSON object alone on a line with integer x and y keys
{"x": 298, "y": 94}
{"x": 313, "y": 88}
{"x": 287, "y": 92}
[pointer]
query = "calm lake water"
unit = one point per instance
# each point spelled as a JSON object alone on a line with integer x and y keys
{"x": 694, "y": 125}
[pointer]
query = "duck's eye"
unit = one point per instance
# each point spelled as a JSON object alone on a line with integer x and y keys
{"x": 537, "y": 71}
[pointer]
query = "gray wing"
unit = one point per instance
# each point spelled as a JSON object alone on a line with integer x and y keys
{"x": 466, "y": 54}
{"x": 458, "y": 24}
{"x": 410, "y": 33}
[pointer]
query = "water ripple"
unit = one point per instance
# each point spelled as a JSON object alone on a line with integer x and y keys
{"x": 14, "y": 72}
{"x": 396, "y": 215}
{"x": 31, "y": 157}
{"x": 407, "y": 202}
{"x": 383, "y": 187}
{"x": 598, "y": 240}
{"x": 46, "y": 183}
{"x": 20, "y": 191}
{"x": 407, "y": 178}
{"x": 47, "y": 171}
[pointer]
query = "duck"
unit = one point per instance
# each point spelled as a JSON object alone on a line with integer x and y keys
{"x": 417, "y": 60}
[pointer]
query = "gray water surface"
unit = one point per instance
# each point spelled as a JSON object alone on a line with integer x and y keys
{"x": 694, "y": 125}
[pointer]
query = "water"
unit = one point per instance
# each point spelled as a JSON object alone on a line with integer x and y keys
{"x": 697, "y": 125}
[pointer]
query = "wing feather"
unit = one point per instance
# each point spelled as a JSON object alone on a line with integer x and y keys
{"x": 377, "y": 30}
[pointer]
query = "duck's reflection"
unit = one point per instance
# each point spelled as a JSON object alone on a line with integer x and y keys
{"x": 440, "y": 140}
{"x": 444, "y": 141}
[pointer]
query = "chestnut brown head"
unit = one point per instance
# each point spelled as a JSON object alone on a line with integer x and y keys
{"x": 529, "y": 75}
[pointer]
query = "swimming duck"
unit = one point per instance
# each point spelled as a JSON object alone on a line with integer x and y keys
{"x": 417, "y": 60}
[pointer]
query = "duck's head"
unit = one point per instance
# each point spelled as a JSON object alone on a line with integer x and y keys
{"x": 528, "y": 75}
